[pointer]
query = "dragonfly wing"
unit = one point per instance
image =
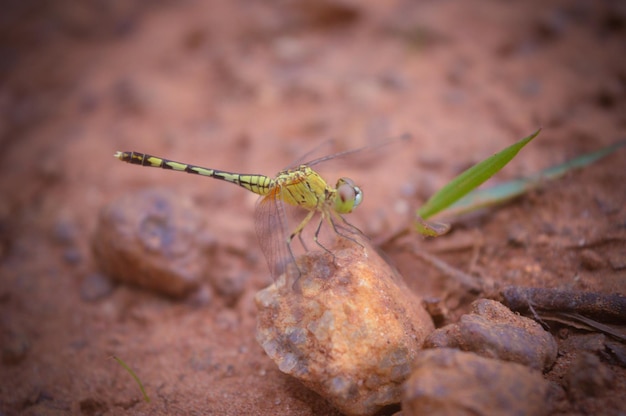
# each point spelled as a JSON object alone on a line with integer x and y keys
{"x": 366, "y": 154}
{"x": 272, "y": 231}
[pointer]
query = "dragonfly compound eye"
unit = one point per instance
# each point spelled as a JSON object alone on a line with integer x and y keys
{"x": 349, "y": 196}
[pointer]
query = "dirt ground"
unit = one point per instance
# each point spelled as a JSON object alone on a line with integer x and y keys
{"x": 250, "y": 86}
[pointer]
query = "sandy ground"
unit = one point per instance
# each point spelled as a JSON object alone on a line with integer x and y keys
{"x": 251, "y": 86}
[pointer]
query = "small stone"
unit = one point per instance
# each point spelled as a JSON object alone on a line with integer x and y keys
{"x": 587, "y": 376}
{"x": 91, "y": 406}
{"x": 591, "y": 260}
{"x": 517, "y": 236}
{"x": 617, "y": 260}
{"x": 228, "y": 320}
{"x": 616, "y": 352}
{"x": 95, "y": 286}
{"x": 202, "y": 297}
{"x": 592, "y": 342}
{"x": 452, "y": 382}
{"x": 15, "y": 347}
{"x": 72, "y": 256}
{"x": 153, "y": 239}
{"x": 494, "y": 331}
{"x": 230, "y": 286}
{"x": 65, "y": 232}
{"x": 349, "y": 328}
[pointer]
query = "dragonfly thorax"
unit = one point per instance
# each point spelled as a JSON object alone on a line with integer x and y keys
{"x": 303, "y": 187}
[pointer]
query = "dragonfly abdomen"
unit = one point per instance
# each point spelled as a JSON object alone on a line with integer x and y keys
{"x": 259, "y": 184}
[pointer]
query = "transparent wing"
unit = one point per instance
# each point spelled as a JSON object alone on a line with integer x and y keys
{"x": 272, "y": 232}
{"x": 371, "y": 150}
{"x": 366, "y": 152}
{"x": 322, "y": 148}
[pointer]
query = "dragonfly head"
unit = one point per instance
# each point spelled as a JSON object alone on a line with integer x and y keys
{"x": 348, "y": 197}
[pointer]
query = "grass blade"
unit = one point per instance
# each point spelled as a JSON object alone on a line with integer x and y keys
{"x": 471, "y": 178}
{"x": 132, "y": 373}
{"x": 481, "y": 198}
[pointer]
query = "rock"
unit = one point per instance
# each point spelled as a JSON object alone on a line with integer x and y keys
{"x": 153, "y": 239}
{"x": 494, "y": 331}
{"x": 452, "y": 382}
{"x": 348, "y": 329}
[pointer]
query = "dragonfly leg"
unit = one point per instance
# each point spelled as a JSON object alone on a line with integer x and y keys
{"x": 349, "y": 228}
{"x": 299, "y": 228}
{"x": 298, "y": 232}
{"x": 316, "y": 238}
{"x": 295, "y": 263}
{"x": 302, "y": 242}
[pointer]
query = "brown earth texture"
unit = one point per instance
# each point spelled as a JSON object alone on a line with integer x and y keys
{"x": 251, "y": 86}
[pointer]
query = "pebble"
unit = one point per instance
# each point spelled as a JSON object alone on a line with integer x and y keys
{"x": 65, "y": 232}
{"x": 201, "y": 298}
{"x": 15, "y": 346}
{"x": 591, "y": 260}
{"x": 153, "y": 239}
{"x": 617, "y": 260}
{"x": 72, "y": 256}
{"x": 587, "y": 376}
{"x": 95, "y": 286}
{"x": 452, "y": 382}
{"x": 589, "y": 342}
{"x": 494, "y": 331}
{"x": 349, "y": 329}
{"x": 230, "y": 285}
{"x": 616, "y": 352}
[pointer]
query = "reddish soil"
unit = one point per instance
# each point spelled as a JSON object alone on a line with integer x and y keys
{"x": 250, "y": 86}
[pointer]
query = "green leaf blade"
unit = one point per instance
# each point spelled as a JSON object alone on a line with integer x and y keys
{"x": 481, "y": 198}
{"x": 471, "y": 178}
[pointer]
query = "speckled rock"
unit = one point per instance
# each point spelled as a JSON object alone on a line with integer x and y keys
{"x": 153, "y": 239}
{"x": 493, "y": 331}
{"x": 452, "y": 382}
{"x": 349, "y": 329}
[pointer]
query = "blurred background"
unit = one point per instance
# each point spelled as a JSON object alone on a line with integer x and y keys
{"x": 250, "y": 86}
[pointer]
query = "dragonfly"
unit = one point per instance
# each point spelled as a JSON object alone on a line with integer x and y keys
{"x": 300, "y": 186}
